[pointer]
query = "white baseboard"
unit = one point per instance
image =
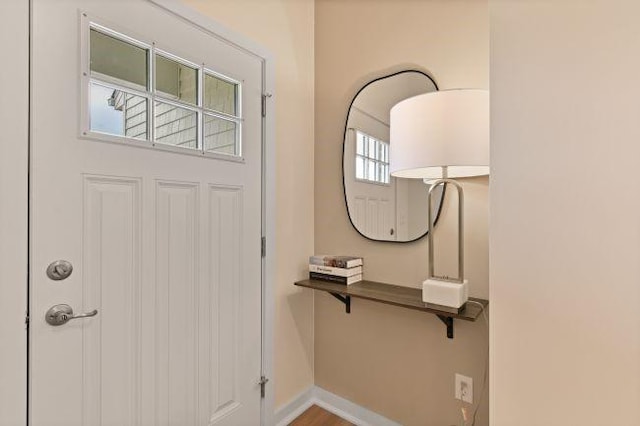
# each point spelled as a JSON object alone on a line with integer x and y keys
{"x": 298, "y": 405}
{"x": 335, "y": 404}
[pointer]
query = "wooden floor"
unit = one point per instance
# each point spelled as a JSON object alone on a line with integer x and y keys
{"x": 316, "y": 416}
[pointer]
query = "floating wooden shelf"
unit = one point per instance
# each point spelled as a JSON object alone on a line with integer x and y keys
{"x": 405, "y": 297}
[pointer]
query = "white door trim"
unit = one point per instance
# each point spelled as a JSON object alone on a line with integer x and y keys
{"x": 14, "y": 154}
{"x": 268, "y": 183}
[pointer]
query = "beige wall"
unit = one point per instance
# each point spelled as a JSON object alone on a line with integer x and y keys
{"x": 14, "y": 120}
{"x": 396, "y": 362}
{"x": 565, "y": 212}
{"x": 285, "y": 27}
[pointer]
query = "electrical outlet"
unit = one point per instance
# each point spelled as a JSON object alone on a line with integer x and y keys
{"x": 464, "y": 388}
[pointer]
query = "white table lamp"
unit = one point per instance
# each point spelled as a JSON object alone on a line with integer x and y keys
{"x": 437, "y": 137}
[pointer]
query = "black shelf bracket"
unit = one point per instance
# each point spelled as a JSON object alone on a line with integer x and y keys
{"x": 448, "y": 321}
{"x": 344, "y": 299}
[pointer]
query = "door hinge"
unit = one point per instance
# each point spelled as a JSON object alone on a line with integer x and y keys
{"x": 263, "y": 383}
{"x": 263, "y": 246}
{"x": 26, "y": 320}
{"x": 264, "y": 103}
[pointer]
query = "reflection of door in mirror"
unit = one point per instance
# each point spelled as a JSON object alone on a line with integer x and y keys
{"x": 382, "y": 207}
{"x": 372, "y": 194}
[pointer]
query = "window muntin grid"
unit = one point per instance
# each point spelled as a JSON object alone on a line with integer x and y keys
{"x": 170, "y": 103}
{"x": 371, "y": 159}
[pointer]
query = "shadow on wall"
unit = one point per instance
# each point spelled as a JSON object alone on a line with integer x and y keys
{"x": 297, "y": 306}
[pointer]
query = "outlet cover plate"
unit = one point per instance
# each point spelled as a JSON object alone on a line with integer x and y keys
{"x": 464, "y": 388}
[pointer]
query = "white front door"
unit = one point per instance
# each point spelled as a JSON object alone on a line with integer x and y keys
{"x": 146, "y": 178}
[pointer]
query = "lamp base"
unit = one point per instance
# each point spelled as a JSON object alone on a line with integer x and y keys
{"x": 445, "y": 293}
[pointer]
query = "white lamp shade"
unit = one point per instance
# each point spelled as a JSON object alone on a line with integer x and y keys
{"x": 444, "y": 128}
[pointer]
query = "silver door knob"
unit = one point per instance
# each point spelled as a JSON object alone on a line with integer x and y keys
{"x": 62, "y": 314}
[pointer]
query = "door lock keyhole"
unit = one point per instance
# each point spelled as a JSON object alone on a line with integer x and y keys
{"x": 59, "y": 270}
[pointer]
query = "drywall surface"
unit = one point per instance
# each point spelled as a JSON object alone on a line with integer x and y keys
{"x": 565, "y": 209}
{"x": 396, "y": 362}
{"x": 14, "y": 119}
{"x": 286, "y": 29}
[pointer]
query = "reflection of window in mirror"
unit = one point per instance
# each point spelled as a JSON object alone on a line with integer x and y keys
{"x": 372, "y": 159}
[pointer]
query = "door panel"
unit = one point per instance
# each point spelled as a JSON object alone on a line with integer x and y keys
{"x": 224, "y": 322}
{"x": 177, "y": 278}
{"x": 374, "y": 216}
{"x": 111, "y": 352}
{"x": 166, "y": 246}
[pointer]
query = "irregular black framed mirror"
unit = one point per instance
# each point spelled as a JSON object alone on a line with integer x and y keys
{"x": 382, "y": 207}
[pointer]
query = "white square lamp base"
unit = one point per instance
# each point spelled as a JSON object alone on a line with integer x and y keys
{"x": 445, "y": 293}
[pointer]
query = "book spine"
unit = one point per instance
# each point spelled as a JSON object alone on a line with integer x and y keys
{"x": 340, "y": 272}
{"x": 334, "y": 262}
{"x": 330, "y": 278}
{"x": 335, "y": 279}
{"x": 354, "y": 279}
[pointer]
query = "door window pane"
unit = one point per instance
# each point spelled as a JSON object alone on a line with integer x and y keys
{"x": 372, "y": 159}
{"x": 118, "y": 59}
{"x": 220, "y": 135}
{"x": 371, "y": 170}
{"x": 360, "y": 143}
{"x": 175, "y": 126}
{"x": 220, "y": 95}
{"x": 371, "y": 152}
{"x": 116, "y": 112}
{"x": 181, "y": 104}
{"x": 176, "y": 81}
{"x": 359, "y": 167}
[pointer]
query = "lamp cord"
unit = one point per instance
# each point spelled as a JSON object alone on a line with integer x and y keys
{"x": 486, "y": 365}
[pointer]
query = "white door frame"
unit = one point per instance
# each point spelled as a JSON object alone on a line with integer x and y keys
{"x": 14, "y": 172}
{"x": 14, "y": 155}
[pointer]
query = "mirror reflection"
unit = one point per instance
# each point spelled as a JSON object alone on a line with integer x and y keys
{"x": 382, "y": 207}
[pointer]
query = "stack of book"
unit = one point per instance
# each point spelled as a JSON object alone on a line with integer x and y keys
{"x": 337, "y": 269}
